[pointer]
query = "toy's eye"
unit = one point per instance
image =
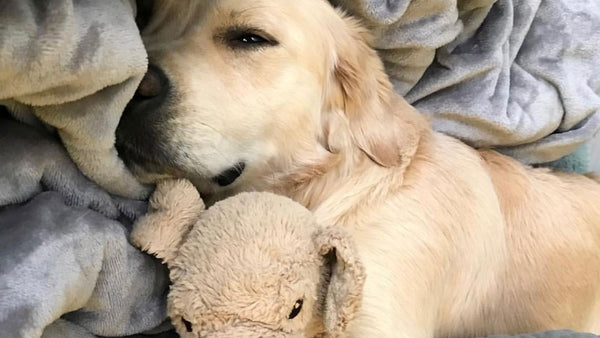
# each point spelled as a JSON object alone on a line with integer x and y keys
{"x": 296, "y": 310}
{"x": 188, "y": 325}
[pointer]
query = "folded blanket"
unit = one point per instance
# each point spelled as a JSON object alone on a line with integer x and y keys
{"x": 515, "y": 75}
{"x": 55, "y": 259}
{"x": 61, "y": 259}
{"x": 75, "y": 65}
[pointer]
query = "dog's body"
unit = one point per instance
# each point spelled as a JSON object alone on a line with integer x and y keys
{"x": 457, "y": 242}
{"x": 471, "y": 244}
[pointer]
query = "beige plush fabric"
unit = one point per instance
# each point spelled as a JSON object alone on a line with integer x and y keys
{"x": 249, "y": 263}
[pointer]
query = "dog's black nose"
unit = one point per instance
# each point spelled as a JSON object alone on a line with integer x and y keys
{"x": 153, "y": 84}
{"x": 141, "y": 131}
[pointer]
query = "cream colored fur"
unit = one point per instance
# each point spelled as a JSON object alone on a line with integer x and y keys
{"x": 456, "y": 242}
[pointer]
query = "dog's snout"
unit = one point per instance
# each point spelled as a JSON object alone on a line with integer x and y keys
{"x": 141, "y": 131}
{"x": 153, "y": 84}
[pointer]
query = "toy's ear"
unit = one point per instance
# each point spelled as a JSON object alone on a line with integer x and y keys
{"x": 344, "y": 291}
{"x": 174, "y": 208}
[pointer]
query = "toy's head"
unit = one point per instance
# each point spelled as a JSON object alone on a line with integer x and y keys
{"x": 257, "y": 265}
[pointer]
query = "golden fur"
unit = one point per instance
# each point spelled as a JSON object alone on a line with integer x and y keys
{"x": 457, "y": 242}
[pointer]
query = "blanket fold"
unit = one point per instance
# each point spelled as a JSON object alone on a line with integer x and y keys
{"x": 63, "y": 254}
{"x": 58, "y": 261}
{"x": 515, "y": 75}
{"x": 76, "y": 64}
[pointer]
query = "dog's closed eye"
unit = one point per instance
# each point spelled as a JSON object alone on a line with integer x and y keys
{"x": 239, "y": 37}
{"x": 248, "y": 38}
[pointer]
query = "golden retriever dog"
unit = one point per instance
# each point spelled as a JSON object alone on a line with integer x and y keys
{"x": 287, "y": 96}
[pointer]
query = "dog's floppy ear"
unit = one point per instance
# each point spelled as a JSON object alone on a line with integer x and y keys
{"x": 382, "y": 125}
{"x": 174, "y": 208}
{"x": 344, "y": 291}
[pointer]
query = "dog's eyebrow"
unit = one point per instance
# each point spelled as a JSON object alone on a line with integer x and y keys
{"x": 235, "y": 14}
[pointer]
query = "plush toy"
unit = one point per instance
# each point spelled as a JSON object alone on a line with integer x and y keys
{"x": 253, "y": 265}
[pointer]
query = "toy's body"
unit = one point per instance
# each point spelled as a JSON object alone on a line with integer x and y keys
{"x": 254, "y": 265}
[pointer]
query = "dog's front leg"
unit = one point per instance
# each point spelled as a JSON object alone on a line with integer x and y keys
{"x": 405, "y": 269}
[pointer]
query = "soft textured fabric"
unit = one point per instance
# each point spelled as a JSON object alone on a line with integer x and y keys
{"x": 576, "y": 162}
{"x": 516, "y": 75}
{"x": 594, "y": 152}
{"x": 55, "y": 259}
{"x": 75, "y": 65}
{"x": 237, "y": 265}
{"x": 65, "y": 254}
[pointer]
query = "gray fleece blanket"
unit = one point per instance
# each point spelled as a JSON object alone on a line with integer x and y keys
{"x": 74, "y": 65}
{"x": 519, "y": 75}
{"x": 66, "y": 267}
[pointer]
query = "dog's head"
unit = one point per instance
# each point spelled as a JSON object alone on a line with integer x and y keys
{"x": 240, "y": 90}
